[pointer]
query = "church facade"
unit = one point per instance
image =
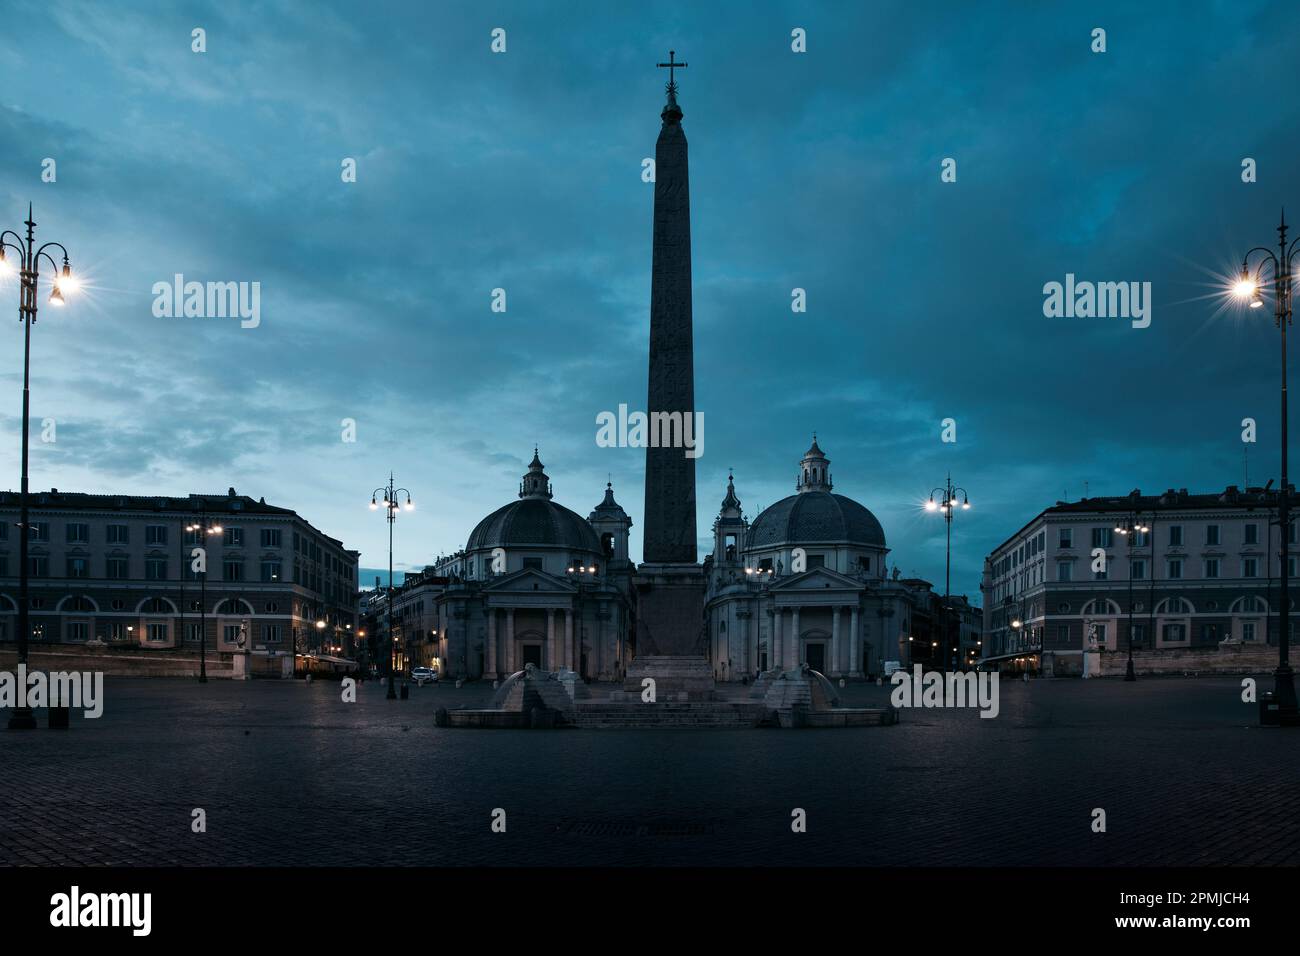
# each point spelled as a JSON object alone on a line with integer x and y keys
{"x": 805, "y": 581}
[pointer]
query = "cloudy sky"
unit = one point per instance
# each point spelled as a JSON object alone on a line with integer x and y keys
{"x": 521, "y": 170}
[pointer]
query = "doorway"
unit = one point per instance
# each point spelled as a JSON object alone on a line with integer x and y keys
{"x": 532, "y": 655}
{"x": 815, "y": 656}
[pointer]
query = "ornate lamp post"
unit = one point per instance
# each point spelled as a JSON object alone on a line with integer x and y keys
{"x": 1132, "y": 526}
{"x": 946, "y": 505}
{"x": 201, "y": 530}
{"x": 28, "y": 266}
{"x": 583, "y": 577}
{"x": 1277, "y": 279}
{"x": 391, "y": 508}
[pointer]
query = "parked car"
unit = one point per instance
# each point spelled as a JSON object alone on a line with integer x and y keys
{"x": 424, "y": 675}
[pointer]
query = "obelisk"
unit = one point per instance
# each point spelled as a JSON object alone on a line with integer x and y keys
{"x": 670, "y": 636}
{"x": 669, "y": 472}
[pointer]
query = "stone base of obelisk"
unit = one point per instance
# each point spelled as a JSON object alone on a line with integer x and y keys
{"x": 670, "y": 634}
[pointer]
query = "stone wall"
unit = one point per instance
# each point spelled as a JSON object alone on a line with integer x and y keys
{"x": 1223, "y": 659}
{"x": 116, "y": 661}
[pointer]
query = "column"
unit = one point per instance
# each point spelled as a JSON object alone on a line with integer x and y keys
{"x": 511, "y": 658}
{"x": 494, "y": 621}
{"x": 792, "y": 645}
{"x": 552, "y": 661}
{"x": 570, "y": 652}
{"x": 855, "y": 643}
{"x": 835, "y": 643}
{"x": 774, "y": 659}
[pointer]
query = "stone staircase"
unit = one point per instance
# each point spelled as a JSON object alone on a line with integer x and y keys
{"x": 666, "y": 714}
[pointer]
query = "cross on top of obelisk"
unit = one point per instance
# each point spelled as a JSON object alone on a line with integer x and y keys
{"x": 672, "y": 65}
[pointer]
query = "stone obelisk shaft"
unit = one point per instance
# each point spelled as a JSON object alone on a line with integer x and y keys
{"x": 670, "y": 474}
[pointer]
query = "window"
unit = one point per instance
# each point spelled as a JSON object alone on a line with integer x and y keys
{"x": 230, "y": 633}
{"x": 271, "y": 633}
{"x": 270, "y": 570}
{"x": 765, "y": 564}
{"x": 157, "y": 606}
{"x": 1290, "y": 532}
{"x": 1247, "y": 630}
{"x": 232, "y": 569}
{"x": 1101, "y": 537}
{"x": 1250, "y": 567}
{"x": 1175, "y": 633}
{"x": 38, "y": 566}
{"x": 1067, "y": 538}
{"x": 1140, "y": 539}
{"x": 155, "y": 534}
{"x": 156, "y": 633}
{"x": 1139, "y": 634}
{"x": 117, "y": 631}
{"x": 270, "y": 537}
{"x": 1175, "y": 535}
{"x": 1252, "y": 534}
{"x": 1175, "y": 569}
{"x": 1210, "y": 633}
{"x": 117, "y": 534}
{"x": 118, "y": 604}
{"x": 1138, "y": 570}
{"x": 78, "y": 567}
{"x": 78, "y": 631}
{"x": 234, "y": 537}
{"x": 1211, "y": 534}
{"x": 194, "y": 537}
{"x": 38, "y": 531}
{"x": 1063, "y": 570}
{"x": 272, "y": 607}
{"x": 1290, "y": 567}
{"x": 116, "y": 568}
{"x": 155, "y": 569}
{"x": 1063, "y": 634}
{"x": 1211, "y": 567}
{"x": 816, "y": 561}
{"x": 535, "y": 563}
{"x": 77, "y": 532}
{"x": 193, "y": 632}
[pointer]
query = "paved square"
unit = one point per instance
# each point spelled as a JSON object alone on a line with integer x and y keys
{"x": 290, "y": 775}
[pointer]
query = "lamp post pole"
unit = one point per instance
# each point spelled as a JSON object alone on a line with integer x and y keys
{"x": 202, "y": 530}
{"x": 29, "y": 257}
{"x": 947, "y": 505}
{"x": 1248, "y": 286}
{"x": 391, "y": 508}
{"x": 1133, "y": 526}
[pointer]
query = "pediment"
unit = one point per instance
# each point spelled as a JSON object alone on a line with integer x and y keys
{"x": 818, "y": 579}
{"x": 525, "y": 578}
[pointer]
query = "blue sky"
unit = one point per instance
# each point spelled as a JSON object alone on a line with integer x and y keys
{"x": 522, "y": 171}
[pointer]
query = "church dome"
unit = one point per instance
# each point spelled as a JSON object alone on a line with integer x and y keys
{"x": 813, "y": 517}
{"x": 534, "y": 520}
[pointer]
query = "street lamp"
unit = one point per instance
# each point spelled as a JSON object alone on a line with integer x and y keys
{"x": 391, "y": 508}
{"x": 584, "y": 577}
{"x": 947, "y": 504}
{"x": 1133, "y": 526}
{"x": 28, "y": 267}
{"x": 199, "y": 531}
{"x": 1248, "y": 287}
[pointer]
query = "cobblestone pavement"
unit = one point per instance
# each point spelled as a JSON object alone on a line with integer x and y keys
{"x": 290, "y": 775}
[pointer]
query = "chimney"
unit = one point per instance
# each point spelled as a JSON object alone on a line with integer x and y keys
{"x": 231, "y": 492}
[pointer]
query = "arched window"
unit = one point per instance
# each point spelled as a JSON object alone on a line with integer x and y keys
{"x": 1175, "y": 605}
{"x": 1251, "y": 604}
{"x": 1101, "y": 607}
{"x": 157, "y": 605}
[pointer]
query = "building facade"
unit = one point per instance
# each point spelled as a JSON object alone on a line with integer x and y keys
{"x": 1084, "y": 578}
{"x": 119, "y": 569}
{"x": 806, "y": 582}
